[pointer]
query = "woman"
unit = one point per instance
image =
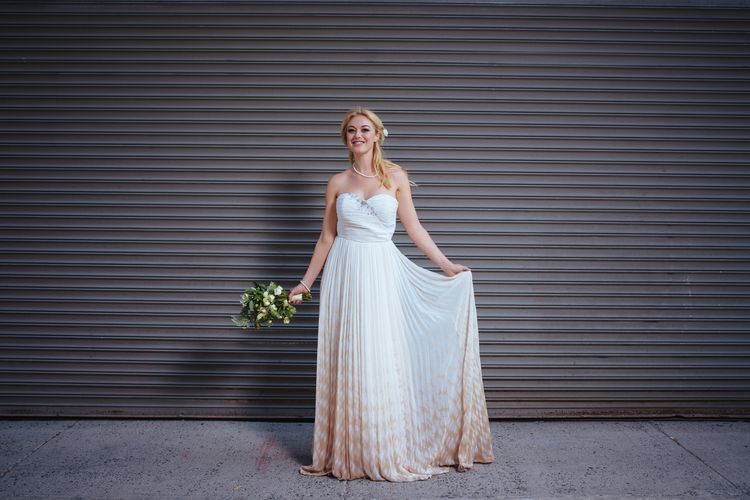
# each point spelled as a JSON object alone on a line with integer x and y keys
{"x": 399, "y": 392}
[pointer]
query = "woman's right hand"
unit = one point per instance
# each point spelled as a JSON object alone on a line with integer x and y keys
{"x": 299, "y": 289}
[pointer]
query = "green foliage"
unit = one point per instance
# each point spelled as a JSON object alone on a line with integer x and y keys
{"x": 262, "y": 304}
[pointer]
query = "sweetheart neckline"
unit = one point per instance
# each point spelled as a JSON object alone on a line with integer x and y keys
{"x": 371, "y": 197}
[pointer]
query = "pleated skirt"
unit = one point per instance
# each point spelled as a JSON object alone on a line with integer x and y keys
{"x": 399, "y": 394}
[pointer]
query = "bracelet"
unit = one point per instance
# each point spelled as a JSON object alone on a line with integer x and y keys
{"x": 305, "y": 285}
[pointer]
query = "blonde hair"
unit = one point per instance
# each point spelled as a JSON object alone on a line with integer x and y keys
{"x": 382, "y": 165}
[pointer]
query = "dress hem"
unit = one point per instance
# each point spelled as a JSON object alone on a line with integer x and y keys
{"x": 457, "y": 468}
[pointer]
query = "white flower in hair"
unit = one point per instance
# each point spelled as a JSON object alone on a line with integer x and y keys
{"x": 385, "y": 132}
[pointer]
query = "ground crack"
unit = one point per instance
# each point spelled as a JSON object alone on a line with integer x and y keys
{"x": 10, "y": 469}
{"x": 697, "y": 457}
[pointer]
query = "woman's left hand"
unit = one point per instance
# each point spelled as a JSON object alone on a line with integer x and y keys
{"x": 452, "y": 269}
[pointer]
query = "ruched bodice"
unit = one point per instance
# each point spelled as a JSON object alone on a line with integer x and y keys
{"x": 370, "y": 220}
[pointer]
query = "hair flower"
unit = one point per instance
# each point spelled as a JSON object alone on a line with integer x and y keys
{"x": 385, "y": 132}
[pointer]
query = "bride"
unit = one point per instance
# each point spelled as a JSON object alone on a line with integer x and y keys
{"x": 399, "y": 394}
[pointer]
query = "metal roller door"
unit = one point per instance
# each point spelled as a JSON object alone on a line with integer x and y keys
{"x": 588, "y": 160}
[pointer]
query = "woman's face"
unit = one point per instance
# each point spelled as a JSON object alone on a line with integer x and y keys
{"x": 360, "y": 135}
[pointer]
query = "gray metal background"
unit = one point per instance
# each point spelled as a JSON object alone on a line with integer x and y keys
{"x": 588, "y": 161}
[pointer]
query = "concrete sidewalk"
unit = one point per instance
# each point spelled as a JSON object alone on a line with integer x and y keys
{"x": 165, "y": 459}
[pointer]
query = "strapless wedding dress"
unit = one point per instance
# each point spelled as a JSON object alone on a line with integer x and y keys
{"x": 399, "y": 392}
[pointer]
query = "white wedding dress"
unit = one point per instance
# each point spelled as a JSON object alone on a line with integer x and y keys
{"x": 399, "y": 392}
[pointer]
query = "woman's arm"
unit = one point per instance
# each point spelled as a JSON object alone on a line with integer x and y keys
{"x": 325, "y": 240}
{"x": 418, "y": 234}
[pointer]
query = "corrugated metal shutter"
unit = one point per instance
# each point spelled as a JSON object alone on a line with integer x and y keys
{"x": 588, "y": 162}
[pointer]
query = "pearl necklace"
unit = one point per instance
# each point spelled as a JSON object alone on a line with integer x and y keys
{"x": 360, "y": 173}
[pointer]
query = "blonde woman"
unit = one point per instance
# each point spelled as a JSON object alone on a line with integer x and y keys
{"x": 399, "y": 393}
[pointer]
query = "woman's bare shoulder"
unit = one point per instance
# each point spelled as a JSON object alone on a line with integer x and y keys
{"x": 340, "y": 176}
{"x": 337, "y": 180}
{"x": 399, "y": 175}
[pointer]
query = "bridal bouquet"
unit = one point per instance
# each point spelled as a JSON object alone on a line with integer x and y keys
{"x": 261, "y": 304}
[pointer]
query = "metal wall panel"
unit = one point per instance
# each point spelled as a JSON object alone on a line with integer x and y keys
{"x": 588, "y": 161}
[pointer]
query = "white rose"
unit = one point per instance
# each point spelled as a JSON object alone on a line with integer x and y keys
{"x": 273, "y": 306}
{"x": 265, "y": 293}
{"x": 266, "y": 302}
{"x": 278, "y": 290}
{"x": 286, "y": 320}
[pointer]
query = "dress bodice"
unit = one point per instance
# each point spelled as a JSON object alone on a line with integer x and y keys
{"x": 370, "y": 220}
